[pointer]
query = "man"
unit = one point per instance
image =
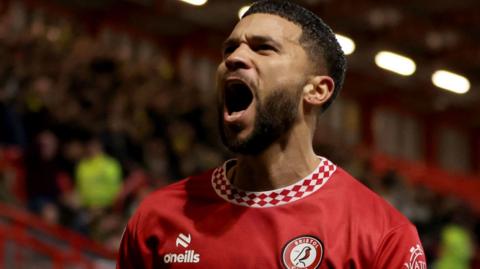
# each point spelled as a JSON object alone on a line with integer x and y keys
{"x": 278, "y": 205}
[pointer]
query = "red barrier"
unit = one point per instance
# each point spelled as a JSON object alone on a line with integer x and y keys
{"x": 11, "y": 161}
{"x": 22, "y": 229}
{"x": 463, "y": 186}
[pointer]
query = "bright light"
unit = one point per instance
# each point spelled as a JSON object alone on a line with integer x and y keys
{"x": 242, "y": 11}
{"x": 347, "y": 44}
{"x": 450, "y": 81}
{"x": 195, "y": 2}
{"x": 396, "y": 63}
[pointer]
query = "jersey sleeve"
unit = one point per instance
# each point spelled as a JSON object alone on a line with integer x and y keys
{"x": 133, "y": 253}
{"x": 400, "y": 249}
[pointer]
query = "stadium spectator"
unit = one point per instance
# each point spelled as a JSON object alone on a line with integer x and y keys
{"x": 98, "y": 177}
{"x": 43, "y": 171}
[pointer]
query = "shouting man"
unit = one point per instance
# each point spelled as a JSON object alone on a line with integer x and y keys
{"x": 278, "y": 204}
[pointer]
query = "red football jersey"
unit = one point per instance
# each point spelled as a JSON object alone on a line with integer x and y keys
{"x": 326, "y": 220}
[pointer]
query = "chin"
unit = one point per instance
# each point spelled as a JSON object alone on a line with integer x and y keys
{"x": 246, "y": 144}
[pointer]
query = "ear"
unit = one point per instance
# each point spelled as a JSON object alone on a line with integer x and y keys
{"x": 318, "y": 90}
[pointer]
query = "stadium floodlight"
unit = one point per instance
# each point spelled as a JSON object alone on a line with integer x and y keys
{"x": 395, "y": 63}
{"x": 347, "y": 44}
{"x": 450, "y": 81}
{"x": 195, "y": 2}
{"x": 242, "y": 11}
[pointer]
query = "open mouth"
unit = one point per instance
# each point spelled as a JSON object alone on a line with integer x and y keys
{"x": 238, "y": 97}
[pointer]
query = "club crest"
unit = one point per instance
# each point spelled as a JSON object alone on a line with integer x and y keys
{"x": 305, "y": 251}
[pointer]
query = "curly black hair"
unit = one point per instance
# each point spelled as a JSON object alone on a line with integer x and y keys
{"x": 317, "y": 38}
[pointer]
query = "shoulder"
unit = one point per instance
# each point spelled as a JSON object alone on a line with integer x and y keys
{"x": 365, "y": 203}
{"x": 364, "y": 197}
{"x": 392, "y": 233}
{"x": 171, "y": 200}
{"x": 400, "y": 247}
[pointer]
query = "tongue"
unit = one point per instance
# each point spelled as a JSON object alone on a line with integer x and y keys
{"x": 235, "y": 109}
{"x": 233, "y": 116}
{"x": 236, "y": 114}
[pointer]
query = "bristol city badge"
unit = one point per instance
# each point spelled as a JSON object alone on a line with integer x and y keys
{"x": 305, "y": 251}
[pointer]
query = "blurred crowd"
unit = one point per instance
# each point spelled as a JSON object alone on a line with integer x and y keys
{"x": 86, "y": 133}
{"x": 89, "y": 132}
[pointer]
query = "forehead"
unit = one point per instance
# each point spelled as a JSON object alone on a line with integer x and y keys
{"x": 270, "y": 25}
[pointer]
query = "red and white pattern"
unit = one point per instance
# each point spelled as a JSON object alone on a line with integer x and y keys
{"x": 277, "y": 197}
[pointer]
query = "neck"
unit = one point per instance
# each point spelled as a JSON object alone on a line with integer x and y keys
{"x": 282, "y": 164}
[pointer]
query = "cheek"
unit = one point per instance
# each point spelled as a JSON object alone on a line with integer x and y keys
{"x": 220, "y": 72}
{"x": 289, "y": 76}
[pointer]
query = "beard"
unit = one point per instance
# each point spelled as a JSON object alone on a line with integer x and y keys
{"x": 274, "y": 117}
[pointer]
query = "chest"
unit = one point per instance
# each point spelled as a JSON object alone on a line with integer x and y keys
{"x": 229, "y": 237}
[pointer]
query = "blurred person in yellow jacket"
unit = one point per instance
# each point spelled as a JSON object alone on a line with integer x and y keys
{"x": 98, "y": 177}
{"x": 456, "y": 248}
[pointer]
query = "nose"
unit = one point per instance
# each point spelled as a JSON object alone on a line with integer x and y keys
{"x": 239, "y": 59}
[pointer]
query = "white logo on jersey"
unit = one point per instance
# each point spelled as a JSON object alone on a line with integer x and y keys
{"x": 415, "y": 261}
{"x": 183, "y": 240}
{"x": 188, "y": 256}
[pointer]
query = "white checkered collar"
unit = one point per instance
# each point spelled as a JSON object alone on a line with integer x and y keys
{"x": 285, "y": 195}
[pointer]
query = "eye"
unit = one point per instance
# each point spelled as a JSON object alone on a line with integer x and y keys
{"x": 264, "y": 48}
{"x": 227, "y": 50}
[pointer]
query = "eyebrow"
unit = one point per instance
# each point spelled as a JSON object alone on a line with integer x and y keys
{"x": 254, "y": 39}
{"x": 230, "y": 42}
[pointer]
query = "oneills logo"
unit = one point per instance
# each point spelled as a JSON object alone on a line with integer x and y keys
{"x": 188, "y": 256}
{"x": 302, "y": 252}
{"x": 183, "y": 240}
